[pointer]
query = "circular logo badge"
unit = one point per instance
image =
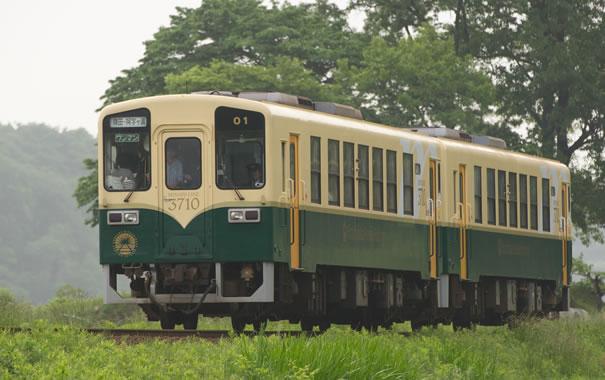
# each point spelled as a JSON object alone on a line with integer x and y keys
{"x": 125, "y": 243}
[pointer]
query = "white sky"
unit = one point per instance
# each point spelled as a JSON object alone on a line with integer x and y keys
{"x": 56, "y": 57}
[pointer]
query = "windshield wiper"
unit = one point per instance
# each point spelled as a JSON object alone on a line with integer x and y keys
{"x": 239, "y": 195}
{"x": 128, "y": 197}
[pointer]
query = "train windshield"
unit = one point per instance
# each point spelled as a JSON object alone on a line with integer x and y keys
{"x": 127, "y": 152}
{"x": 240, "y": 149}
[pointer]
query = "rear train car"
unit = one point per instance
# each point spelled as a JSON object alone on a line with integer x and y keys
{"x": 266, "y": 206}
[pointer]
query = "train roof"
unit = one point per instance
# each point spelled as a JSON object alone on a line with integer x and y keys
{"x": 303, "y": 113}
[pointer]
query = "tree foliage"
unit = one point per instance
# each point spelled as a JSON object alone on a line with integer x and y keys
{"x": 591, "y": 281}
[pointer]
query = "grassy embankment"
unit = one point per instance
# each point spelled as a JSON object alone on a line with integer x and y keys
{"x": 534, "y": 350}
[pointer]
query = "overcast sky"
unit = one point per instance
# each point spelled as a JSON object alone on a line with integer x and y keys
{"x": 56, "y": 57}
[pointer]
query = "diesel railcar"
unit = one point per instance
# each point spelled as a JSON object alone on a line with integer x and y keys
{"x": 268, "y": 206}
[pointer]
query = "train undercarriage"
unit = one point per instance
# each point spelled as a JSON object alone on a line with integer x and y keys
{"x": 253, "y": 293}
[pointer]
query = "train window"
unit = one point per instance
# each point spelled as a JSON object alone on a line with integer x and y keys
{"x": 240, "y": 149}
{"x": 363, "y": 182}
{"x": 315, "y": 169}
{"x": 502, "y": 198}
{"x": 334, "y": 172}
{"x": 283, "y": 166}
{"x": 545, "y": 204}
{"x": 377, "y": 180}
{"x": 408, "y": 184}
{"x": 349, "y": 174}
{"x": 391, "y": 181}
{"x": 523, "y": 200}
{"x": 491, "y": 196}
{"x": 126, "y": 150}
{"x": 478, "y": 196}
{"x": 512, "y": 202}
{"x": 183, "y": 163}
{"x": 533, "y": 201}
{"x": 454, "y": 187}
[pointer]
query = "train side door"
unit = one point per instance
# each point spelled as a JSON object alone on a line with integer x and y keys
{"x": 184, "y": 234}
{"x": 462, "y": 221}
{"x": 294, "y": 191}
{"x": 432, "y": 214}
{"x": 564, "y": 228}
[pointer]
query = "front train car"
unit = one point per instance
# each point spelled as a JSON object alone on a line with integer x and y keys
{"x": 187, "y": 216}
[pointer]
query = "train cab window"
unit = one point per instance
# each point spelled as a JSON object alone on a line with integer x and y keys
{"x": 478, "y": 196}
{"x": 523, "y": 200}
{"x": 391, "y": 181}
{"x": 545, "y": 204}
{"x": 512, "y": 202}
{"x": 349, "y": 174}
{"x": 283, "y": 166}
{"x": 533, "y": 201}
{"x": 491, "y": 196}
{"x": 240, "y": 149}
{"x": 334, "y": 172}
{"x": 377, "y": 180}
{"x": 502, "y": 198}
{"x": 408, "y": 184}
{"x": 126, "y": 148}
{"x": 315, "y": 169}
{"x": 363, "y": 181}
{"x": 183, "y": 157}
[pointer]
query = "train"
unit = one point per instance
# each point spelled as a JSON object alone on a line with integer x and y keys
{"x": 263, "y": 206}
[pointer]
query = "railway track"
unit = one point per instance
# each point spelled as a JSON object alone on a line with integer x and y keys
{"x": 139, "y": 335}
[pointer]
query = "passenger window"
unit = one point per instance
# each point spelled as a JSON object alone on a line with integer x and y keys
{"x": 478, "y": 196}
{"x": 502, "y": 198}
{"x": 545, "y": 204}
{"x": 523, "y": 200}
{"x": 183, "y": 163}
{"x": 334, "y": 172}
{"x": 315, "y": 169}
{"x": 391, "y": 181}
{"x": 364, "y": 177}
{"x": 454, "y": 192}
{"x": 512, "y": 202}
{"x": 377, "y": 180}
{"x": 491, "y": 196}
{"x": 349, "y": 174}
{"x": 408, "y": 184}
{"x": 533, "y": 197}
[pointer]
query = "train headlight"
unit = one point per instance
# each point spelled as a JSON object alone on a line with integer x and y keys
{"x": 131, "y": 217}
{"x": 122, "y": 217}
{"x": 244, "y": 215}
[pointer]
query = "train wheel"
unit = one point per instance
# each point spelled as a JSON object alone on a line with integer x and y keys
{"x": 190, "y": 321}
{"x": 324, "y": 326}
{"x": 259, "y": 325}
{"x": 167, "y": 321}
{"x": 306, "y": 325}
{"x": 238, "y": 324}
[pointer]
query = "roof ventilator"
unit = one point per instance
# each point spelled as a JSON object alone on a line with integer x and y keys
{"x": 453, "y": 134}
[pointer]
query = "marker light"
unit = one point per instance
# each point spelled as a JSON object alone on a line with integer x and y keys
{"x": 122, "y": 217}
{"x": 244, "y": 215}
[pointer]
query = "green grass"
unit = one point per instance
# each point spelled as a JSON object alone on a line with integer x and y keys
{"x": 535, "y": 350}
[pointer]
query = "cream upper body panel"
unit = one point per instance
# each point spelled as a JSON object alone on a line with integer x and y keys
{"x": 197, "y": 112}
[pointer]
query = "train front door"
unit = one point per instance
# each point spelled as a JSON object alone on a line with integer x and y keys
{"x": 564, "y": 228}
{"x": 294, "y": 191}
{"x": 462, "y": 221}
{"x": 184, "y": 233}
{"x": 432, "y": 214}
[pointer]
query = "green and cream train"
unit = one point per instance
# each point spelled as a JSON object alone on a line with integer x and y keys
{"x": 267, "y": 206}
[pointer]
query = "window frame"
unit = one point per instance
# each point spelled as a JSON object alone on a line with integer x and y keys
{"x": 546, "y": 205}
{"x": 316, "y": 171}
{"x": 378, "y": 178}
{"x": 391, "y": 181}
{"x": 363, "y": 150}
{"x": 533, "y": 203}
{"x": 348, "y": 178}
{"x": 491, "y": 197}
{"x": 408, "y": 160}
{"x": 334, "y": 173}
{"x": 478, "y": 187}
{"x": 502, "y": 201}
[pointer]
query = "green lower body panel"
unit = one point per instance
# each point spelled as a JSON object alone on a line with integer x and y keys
{"x": 328, "y": 239}
{"x": 341, "y": 240}
{"x": 497, "y": 254}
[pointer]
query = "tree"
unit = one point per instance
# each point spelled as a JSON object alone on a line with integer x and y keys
{"x": 592, "y": 279}
{"x": 421, "y": 82}
{"x": 243, "y": 32}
